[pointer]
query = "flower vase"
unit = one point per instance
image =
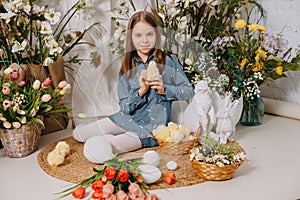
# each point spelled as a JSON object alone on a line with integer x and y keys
{"x": 253, "y": 112}
{"x": 21, "y": 142}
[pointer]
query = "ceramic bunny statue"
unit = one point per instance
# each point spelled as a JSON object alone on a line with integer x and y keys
{"x": 225, "y": 127}
{"x": 200, "y": 110}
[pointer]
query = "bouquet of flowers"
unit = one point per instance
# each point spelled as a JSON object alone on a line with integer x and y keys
{"x": 250, "y": 57}
{"x": 116, "y": 179}
{"x": 33, "y": 33}
{"x": 23, "y": 102}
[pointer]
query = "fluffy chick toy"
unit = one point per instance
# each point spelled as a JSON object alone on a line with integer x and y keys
{"x": 63, "y": 148}
{"x": 55, "y": 158}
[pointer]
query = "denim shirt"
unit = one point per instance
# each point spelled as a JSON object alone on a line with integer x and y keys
{"x": 142, "y": 115}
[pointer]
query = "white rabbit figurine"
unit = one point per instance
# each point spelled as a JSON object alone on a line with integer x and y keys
{"x": 225, "y": 127}
{"x": 200, "y": 110}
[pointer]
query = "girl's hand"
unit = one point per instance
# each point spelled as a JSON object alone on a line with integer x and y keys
{"x": 144, "y": 85}
{"x": 158, "y": 84}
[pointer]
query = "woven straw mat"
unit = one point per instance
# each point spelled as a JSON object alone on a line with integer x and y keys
{"x": 77, "y": 168}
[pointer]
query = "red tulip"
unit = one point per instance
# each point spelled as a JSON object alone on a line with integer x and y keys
{"x": 170, "y": 178}
{"x": 97, "y": 195}
{"x": 97, "y": 185}
{"x": 110, "y": 172}
{"x": 79, "y": 193}
{"x": 123, "y": 175}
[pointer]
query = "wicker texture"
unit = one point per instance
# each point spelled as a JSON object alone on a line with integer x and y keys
{"x": 213, "y": 172}
{"x": 180, "y": 148}
{"x": 21, "y": 142}
{"x": 77, "y": 168}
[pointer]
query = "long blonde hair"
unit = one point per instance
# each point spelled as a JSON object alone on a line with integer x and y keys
{"x": 128, "y": 64}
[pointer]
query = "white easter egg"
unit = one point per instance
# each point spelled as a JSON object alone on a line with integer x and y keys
{"x": 150, "y": 173}
{"x": 151, "y": 158}
{"x": 171, "y": 165}
{"x": 97, "y": 149}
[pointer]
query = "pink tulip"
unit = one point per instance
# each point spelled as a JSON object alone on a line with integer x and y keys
{"x": 14, "y": 74}
{"x": 121, "y": 195}
{"x": 21, "y": 84}
{"x": 47, "y": 82}
{"x": 107, "y": 190}
{"x": 46, "y": 98}
{"x": 151, "y": 197}
{"x": 112, "y": 197}
{"x": 6, "y": 90}
{"x": 6, "y": 103}
{"x": 135, "y": 191}
{"x": 62, "y": 84}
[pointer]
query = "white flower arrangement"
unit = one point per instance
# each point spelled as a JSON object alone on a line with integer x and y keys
{"x": 31, "y": 32}
{"x": 212, "y": 151}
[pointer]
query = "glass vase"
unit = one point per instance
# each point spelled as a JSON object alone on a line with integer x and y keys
{"x": 253, "y": 112}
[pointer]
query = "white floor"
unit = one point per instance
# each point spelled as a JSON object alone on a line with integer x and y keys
{"x": 273, "y": 172}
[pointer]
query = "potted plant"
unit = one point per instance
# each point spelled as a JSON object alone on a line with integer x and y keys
{"x": 36, "y": 37}
{"x": 213, "y": 160}
{"x": 23, "y": 106}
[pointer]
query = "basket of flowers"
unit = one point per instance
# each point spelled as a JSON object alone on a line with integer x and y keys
{"x": 23, "y": 107}
{"x": 175, "y": 139}
{"x": 215, "y": 161}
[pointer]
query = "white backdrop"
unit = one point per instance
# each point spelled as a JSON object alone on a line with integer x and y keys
{"x": 94, "y": 90}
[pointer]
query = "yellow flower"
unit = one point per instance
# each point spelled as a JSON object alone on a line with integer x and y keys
{"x": 261, "y": 53}
{"x": 257, "y": 67}
{"x": 262, "y": 28}
{"x": 279, "y": 70}
{"x": 243, "y": 63}
{"x": 240, "y": 24}
{"x": 253, "y": 27}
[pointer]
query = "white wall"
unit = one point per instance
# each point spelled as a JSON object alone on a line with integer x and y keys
{"x": 283, "y": 16}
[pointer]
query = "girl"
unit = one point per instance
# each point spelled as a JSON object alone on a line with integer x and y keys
{"x": 144, "y": 104}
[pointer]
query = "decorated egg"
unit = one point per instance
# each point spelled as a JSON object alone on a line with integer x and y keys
{"x": 172, "y": 165}
{"x": 151, "y": 158}
{"x": 97, "y": 149}
{"x": 150, "y": 173}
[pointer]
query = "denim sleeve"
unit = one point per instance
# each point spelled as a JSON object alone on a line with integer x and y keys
{"x": 129, "y": 99}
{"x": 179, "y": 87}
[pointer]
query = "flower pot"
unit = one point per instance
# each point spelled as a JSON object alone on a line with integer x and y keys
{"x": 253, "y": 112}
{"x": 21, "y": 142}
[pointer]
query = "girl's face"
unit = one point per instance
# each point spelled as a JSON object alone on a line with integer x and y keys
{"x": 143, "y": 38}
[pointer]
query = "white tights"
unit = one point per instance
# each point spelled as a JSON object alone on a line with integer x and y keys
{"x": 121, "y": 140}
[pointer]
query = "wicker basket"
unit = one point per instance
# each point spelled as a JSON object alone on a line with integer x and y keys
{"x": 214, "y": 173}
{"x": 179, "y": 148}
{"x": 21, "y": 142}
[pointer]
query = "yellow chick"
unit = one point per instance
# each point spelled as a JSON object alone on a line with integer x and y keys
{"x": 55, "y": 158}
{"x": 172, "y": 126}
{"x": 176, "y": 136}
{"x": 152, "y": 70}
{"x": 161, "y": 132}
{"x": 186, "y": 130}
{"x": 63, "y": 148}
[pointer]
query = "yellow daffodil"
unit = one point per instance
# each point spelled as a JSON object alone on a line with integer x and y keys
{"x": 244, "y": 62}
{"x": 279, "y": 70}
{"x": 240, "y": 24}
{"x": 253, "y": 27}
{"x": 262, "y": 28}
{"x": 257, "y": 67}
{"x": 261, "y": 53}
